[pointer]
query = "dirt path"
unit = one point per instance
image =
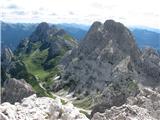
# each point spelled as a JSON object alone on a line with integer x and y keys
{"x": 67, "y": 98}
{"x": 70, "y": 100}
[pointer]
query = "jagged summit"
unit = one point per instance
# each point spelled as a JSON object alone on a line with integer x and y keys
{"x": 113, "y": 36}
{"x": 107, "y": 65}
{"x": 42, "y": 26}
{"x": 41, "y": 32}
{"x": 113, "y": 26}
{"x": 44, "y": 32}
{"x": 105, "y": 56}
{"x": 95, "y": 25}
{"x": 44, "y": 35}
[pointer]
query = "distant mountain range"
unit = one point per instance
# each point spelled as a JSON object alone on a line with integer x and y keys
{"x": 76, "y": 30}
{"x": 146, "y": 38}
{"x": 12, "y": 34}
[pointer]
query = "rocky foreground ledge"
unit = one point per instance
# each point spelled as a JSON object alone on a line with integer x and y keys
{"x": 145, "y": 106}
{"x": 40, "y": 108}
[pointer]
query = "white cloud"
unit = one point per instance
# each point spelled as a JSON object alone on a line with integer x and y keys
{"x": 129, "y": 12}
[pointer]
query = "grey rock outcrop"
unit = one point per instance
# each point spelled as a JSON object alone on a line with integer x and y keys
{"x": 22, "y": 46}
{"x": 149, "y": 99}
{"x": 125, "y": 112}
{"x": 15, "y": 90}
{"x": 6, "y": 61}
{"x": 145, "y": 106}
{"x": 7, "y": 55}
{"x": 104, "y": 60}
{"x": 150, "y": 67}
{"x": 6, "y": 58}
{"x": 13, "y": 67}
{"x": 58, "y": 46}
{"x": 40, "y": 108}
{"x": 107, "y": 65}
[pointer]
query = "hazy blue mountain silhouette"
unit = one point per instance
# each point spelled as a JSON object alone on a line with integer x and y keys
{"x": 146, "y": 38}
{"x": 12, "y": 34}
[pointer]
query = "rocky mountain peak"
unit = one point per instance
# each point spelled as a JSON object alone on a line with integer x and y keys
{"x": 42, "y": 27}
{"x": 104, "y": 59}
{"x": 110, "y": 37}
{"x": 44, "y": 33}
{"x": 95, "y": 25}
{"x": 108, "y": 64}
{"x": 113, "y": 26}
{"x": 41, "y": 32}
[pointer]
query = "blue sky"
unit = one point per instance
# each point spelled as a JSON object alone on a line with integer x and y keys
{"x": 129, "y": 12}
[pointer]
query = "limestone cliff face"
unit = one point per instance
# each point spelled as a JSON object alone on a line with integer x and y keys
{"x": 104, "y": 60}
{"x": 107, "y": 65}
{"x": 6, "y": 61}
{"x": 7, "y": 55}
{"x": 6, "y": 58}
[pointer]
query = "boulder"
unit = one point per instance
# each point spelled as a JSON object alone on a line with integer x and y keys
{"x": 15, "y": 90}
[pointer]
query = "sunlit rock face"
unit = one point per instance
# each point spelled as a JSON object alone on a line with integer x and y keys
{"x": 40, "y": 108}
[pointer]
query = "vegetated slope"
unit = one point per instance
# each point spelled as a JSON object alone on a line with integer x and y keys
{"x": 41, "y": 53}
